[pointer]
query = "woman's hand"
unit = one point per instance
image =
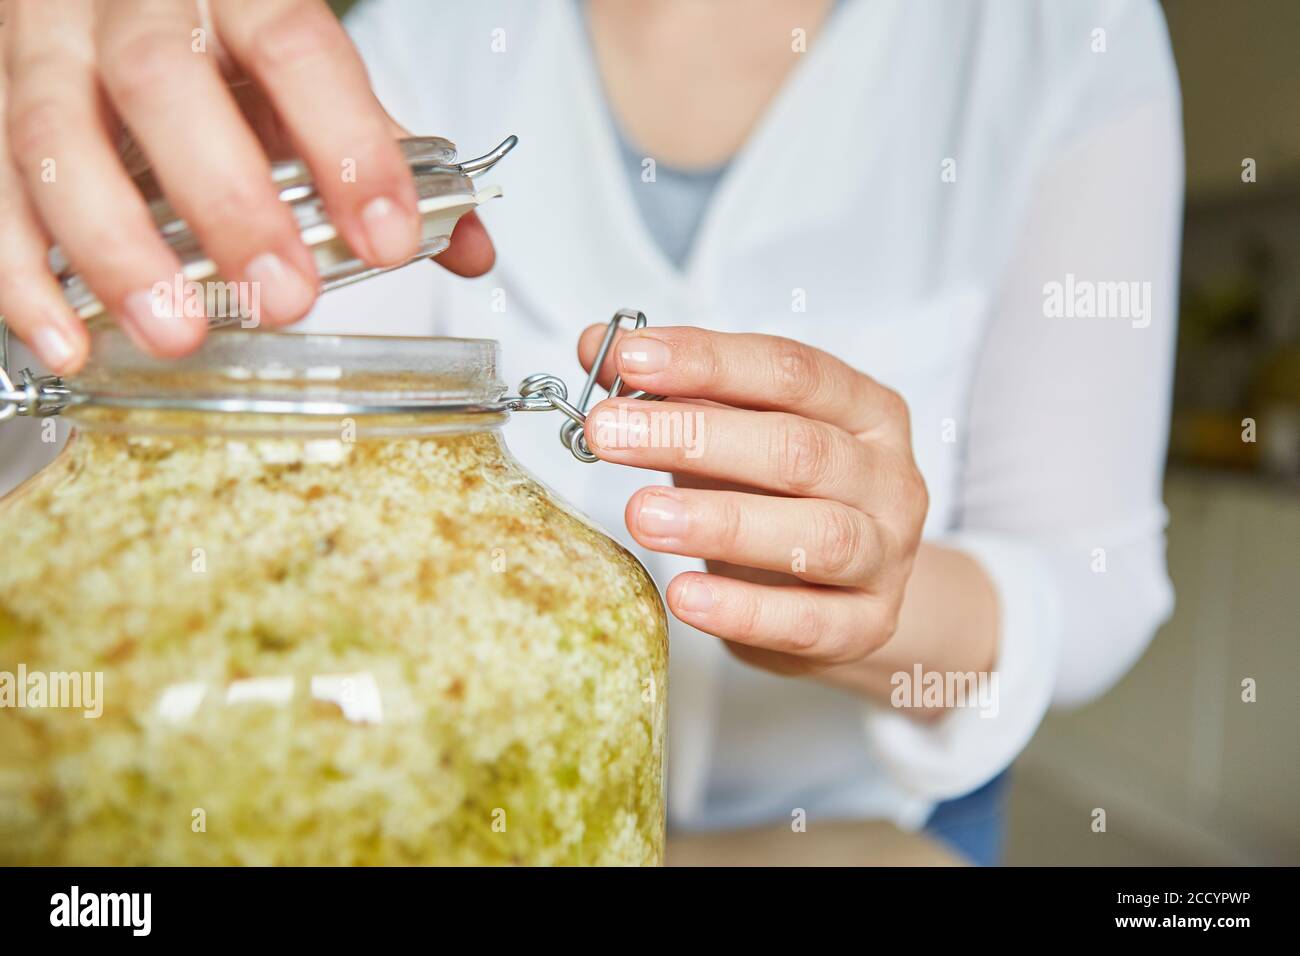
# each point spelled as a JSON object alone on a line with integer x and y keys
{"x": 794, "y": 479}
{"x": 76, "y": 72}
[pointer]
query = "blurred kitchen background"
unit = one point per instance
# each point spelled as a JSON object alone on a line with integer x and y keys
{"x": 1188, "y": 772}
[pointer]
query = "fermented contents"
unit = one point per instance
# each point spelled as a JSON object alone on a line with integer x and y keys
{"x": 359, "y": 639}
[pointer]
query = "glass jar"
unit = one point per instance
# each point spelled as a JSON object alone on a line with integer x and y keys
{"x": 292, "y": 601}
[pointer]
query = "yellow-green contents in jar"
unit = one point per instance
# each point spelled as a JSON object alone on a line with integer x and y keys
{"x": 321, "y": 651}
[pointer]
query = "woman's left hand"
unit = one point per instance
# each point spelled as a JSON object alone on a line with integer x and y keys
{"x": 794, "y": 479}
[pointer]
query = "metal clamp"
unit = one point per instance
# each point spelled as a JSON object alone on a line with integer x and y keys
{"x": 543, "y": 392}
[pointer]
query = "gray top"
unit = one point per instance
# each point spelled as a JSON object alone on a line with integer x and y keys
{"x": 672, "y": 202}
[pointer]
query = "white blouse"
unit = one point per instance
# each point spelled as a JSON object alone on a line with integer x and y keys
{"x": 936, "y": 195}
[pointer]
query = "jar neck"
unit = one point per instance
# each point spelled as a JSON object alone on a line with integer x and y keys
{"x": 195, "y": 447}
{"x": 91, "y": 420}
{"x": 256, "y": 382}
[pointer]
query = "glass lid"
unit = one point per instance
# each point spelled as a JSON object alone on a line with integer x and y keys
{"x": 445, "y": 191}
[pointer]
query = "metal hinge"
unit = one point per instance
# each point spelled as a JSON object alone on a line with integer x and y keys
{"x": 31, "y": 394}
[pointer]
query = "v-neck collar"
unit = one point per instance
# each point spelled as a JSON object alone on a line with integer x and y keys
{"x": 608, "y": 154}
{"x": 567, "y": 186}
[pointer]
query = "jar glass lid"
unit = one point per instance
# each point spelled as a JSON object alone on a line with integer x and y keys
{"x": 445, "y": 191}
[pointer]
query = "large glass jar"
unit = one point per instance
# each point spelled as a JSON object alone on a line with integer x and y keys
{"x": 331, "y": 619}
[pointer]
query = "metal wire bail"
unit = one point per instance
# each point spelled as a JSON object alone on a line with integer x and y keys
{"x": 481, "y": 164}
{"x": 543, "y": 391}
{"x": 571, "y": 432}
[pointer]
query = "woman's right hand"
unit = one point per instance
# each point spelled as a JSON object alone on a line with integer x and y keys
{"x": 77, "y": 73}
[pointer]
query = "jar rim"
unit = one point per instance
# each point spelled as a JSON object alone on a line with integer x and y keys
{"x": 243, "y": 370}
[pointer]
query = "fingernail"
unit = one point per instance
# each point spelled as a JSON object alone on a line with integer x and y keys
{"x": 150, "y": 324}
{"x": 661, "y": 516}
{"x": 393, "y": 233}
{"x": 54, "y": 347}
{"x": 283, "y": 293}
{"x": 639, "y": 353}
{"x": 695, "y": 595}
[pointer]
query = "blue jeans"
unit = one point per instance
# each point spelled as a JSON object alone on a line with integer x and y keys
{"x": 973, "y": 824}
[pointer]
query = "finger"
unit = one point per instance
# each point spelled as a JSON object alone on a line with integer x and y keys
{"x": 589, "y": 344}
{"x": 299, "y": 55}
{"x": 259, "y": 112}
{"x": 471, "y": 252}
{"x": 822, "y": 625}
{"x": 30, "y": 300}
{"x": 763, "y": 372}
{"x": 74, "y": 177}
{"x": 769, "y": 450}
{"x": 161, "y": 86}
{"x": 822, "y": 542}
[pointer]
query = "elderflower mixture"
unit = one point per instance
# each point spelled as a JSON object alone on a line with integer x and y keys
{"x": 319, "y": 651}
